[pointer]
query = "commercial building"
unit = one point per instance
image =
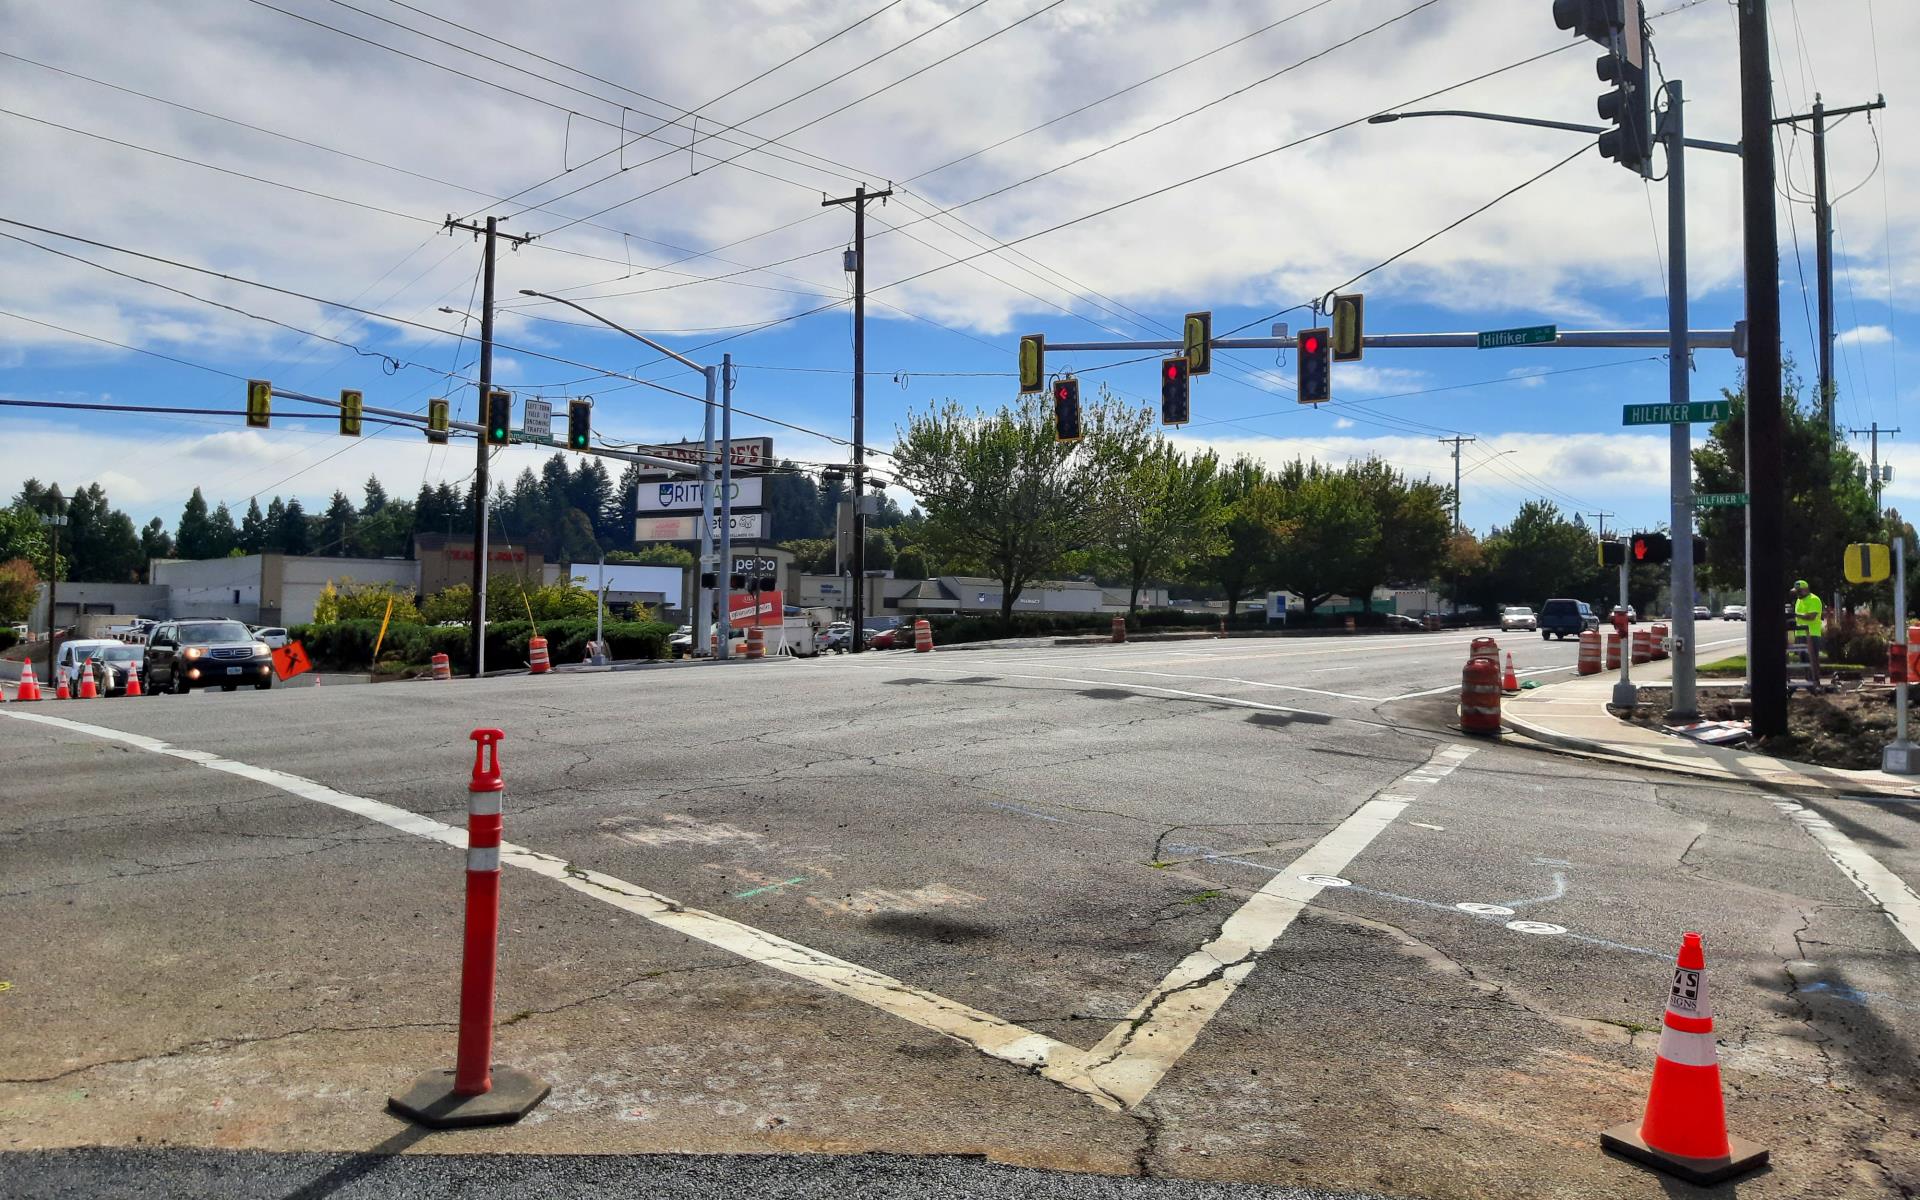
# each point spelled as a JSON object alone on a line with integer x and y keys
{"x": 445, "y": 561}
{"x": 268, "y": 589}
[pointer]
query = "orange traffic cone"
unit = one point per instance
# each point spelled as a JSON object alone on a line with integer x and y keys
{"x": 29, "y": 686}
{"x": 1510, "y": 682}
{"x": 87, "y": 690}
{"x": 61, "y": 692}
{"x": 133, "y": 683}
{"x": 1685, "y": 1130}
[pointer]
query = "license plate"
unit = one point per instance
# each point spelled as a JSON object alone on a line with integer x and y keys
{"x": 233, "y": 670}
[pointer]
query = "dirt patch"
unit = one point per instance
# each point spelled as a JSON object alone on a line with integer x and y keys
{"x": 1846, "y": 729}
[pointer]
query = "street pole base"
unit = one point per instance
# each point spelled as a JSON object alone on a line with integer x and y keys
{"x": 1898, "y": 759}
{"x": 1625, "y": 695}
{"x": 430, "y": 1100}
{"x": 1625, "y": 1140}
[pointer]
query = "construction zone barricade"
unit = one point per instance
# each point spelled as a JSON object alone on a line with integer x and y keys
{"x": 1119, "y": 629}
{"x": 756, "y": 642}
{"x": 476, "y": 1091}
{"x": 922, "y": 637}
{"x": 1483, "y": 647}
{"x": 1613, "y": 651}
{"x": 537, "y": 661}
{"x": 1658, "y": 641}
{"x": 1642, "y": 646}
{"x": 442, "y": 668}
{"x": 1589, "y": 652}
{"x": 1480, "y": 696}
{"x": 1684, "y": 1131}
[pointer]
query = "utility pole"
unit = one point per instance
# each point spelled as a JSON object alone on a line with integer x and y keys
{"x": 1766, "y": 501}
{"x": 859, "y": 201}
{"x": 1600, "y": 529}
{"x": 53, "y": 521}
{"x": 1873, "y": 470}
{"x": 1823, "y": 237}
{"x": 1456, "y": 443}
{"x": 477, "y": 614}
{"x": 1684, "y": 705}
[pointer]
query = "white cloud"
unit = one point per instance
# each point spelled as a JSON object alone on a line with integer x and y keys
{"x": 1864, "y": 335}
{"x": 1528, "y": 377}
{"x": 1342, "y": 423}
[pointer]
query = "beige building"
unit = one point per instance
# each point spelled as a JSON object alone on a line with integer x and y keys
{"x": 445, "y": 561}
{"x": 269, "y": 589}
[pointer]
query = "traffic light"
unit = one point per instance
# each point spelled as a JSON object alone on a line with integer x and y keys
{"x": 1349, "y": 318}
{"x": 737, "y": 582}
{"x": 1033, "y": 363}
{"x": 437, "y": 421}
{"x": 1197, "y": 339}
{"x": 1699, "y": 550}
{"x": 499, "y": 417}
{"x": 1650, "y": 548}
{"x": 1173, "y": 391}
{"x": 1316, "y": 365}
{"x": 769, "y": 584}
{"x": 351, "y": 404}
{"x": 1616, "y": 25}
{"x": 1613, "y": 553}
{"x": 579, "y": 423}
{"x": 1066, "y": 410}
{"x": 259, "y": 403}
{"x": 709, "y": 580}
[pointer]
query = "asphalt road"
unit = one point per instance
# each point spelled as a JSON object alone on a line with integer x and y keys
{"x": 1043, "y": 905}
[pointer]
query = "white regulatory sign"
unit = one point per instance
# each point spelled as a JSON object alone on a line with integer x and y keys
{"x": 689, "y": 495}
{"x": 537, "y": 418}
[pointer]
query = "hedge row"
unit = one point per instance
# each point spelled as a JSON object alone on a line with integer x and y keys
{"x": 992, "y": 627}
{"x": 8, "y": 638}
{"x": 348, "y": 645}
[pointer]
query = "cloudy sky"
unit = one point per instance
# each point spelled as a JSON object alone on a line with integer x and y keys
{"x": 671, "y": 158}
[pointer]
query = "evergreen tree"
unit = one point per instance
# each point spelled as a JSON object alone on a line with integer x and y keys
{"x": 626, "y": 510}
{"x": 337, "y": 527}
{"x": 194, "y": 537}
{"x": 155, "y": 542}
{"x": 294, "y": 535}
{"x": 376, "y": 497}
{"x": 253, "y": 528}
{"x": 223, "y": 538}
{"x": 272, "y": 533}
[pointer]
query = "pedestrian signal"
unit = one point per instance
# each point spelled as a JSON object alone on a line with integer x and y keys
{"x": 1651, "y": 548}
{"x": 259, "y": 403}
{"x": 1033, "y": 363}
{"x": 1066, "y": 410}
{"x": 1613, "y": 554}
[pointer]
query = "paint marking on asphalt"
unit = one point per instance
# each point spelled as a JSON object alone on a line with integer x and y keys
{"x": 1559, "y": 890}
{"x": 1285, "y": 687}
{"x": 1116, "y": 1074}
{"x": 750, "y": 893}
{"x": 1875, "y": 882}
{"x": 1132, "y": 1059}
{"x": 1233, "y": 701}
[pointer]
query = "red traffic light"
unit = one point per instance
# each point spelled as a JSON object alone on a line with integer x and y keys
{"x": 1060, "y": 392}
{"x": 1173, "y": 371}
{"x": 1310, "y": 343}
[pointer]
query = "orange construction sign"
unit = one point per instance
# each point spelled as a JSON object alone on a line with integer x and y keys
{"x": 290, "y": 660}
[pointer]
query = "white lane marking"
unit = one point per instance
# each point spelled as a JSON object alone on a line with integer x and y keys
{"x": 1132, "y": 1059}
{"x": 1424, "y": 825}
{"x": 1116, "y": 1074}
{"x": 1285, "y": 687}
{"x": 985, "y": 1032}
{"x": 1454, "y": 687}
{"x": 1875, "y": 882}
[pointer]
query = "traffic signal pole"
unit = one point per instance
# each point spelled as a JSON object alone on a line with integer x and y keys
{"x": 1685, "y": 704}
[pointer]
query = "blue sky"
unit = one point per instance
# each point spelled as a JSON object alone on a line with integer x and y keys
{"x": 1580, "y": 248}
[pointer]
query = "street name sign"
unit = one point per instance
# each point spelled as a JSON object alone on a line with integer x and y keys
{"x": 1719, "y": 499}
{"x": 1676, "y": 414}
{"x": 1530, "y": 335}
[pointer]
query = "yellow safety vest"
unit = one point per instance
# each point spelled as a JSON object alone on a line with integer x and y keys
{"x": 1807, "y": 610}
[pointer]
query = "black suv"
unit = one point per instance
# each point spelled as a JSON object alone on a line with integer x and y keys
{"x": 1566, "y": 618}
{"x": 183, "y": 655}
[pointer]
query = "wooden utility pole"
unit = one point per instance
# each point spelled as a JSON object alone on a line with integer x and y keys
{"x": 859, "y": 201}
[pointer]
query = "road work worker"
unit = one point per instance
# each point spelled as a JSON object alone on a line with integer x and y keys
{"x": 1806, "y": 613}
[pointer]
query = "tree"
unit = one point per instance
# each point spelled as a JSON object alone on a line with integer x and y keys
{"x": 155, "y": 542}
{"x": 659, "y": 554}
{"x": 1539, "y": 555}
{"x": 1170, "y": 515}
{"x": 222, "y": 537}
{"x": 19, "y": 589}
{"x": 22, "y": 535}
{"x": 793, "y": 505}
{"x": 194, "y": 537}
{"x": 1242, "y": 564}
{"x": 1414, "y": 518}
{"x": 453, "y": 603}
{"x": 294, "y": 537}
{"x": 337, "y": 526}
{"x": 274, "y": 530}
{"x": 350, "y": 601}
{"x": 1001, "y": 491}
{"x": 911, "y": 563}
{"x": 253, "y": 528}
{"x": 1327, "y": 532}
{"x": 376, "y": 497}
{"x": 386, "y": 532}
{"x": 811, "y": 556}
{"x": 1828, "y": 505}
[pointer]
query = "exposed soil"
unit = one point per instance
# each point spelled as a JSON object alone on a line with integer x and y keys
{"x": 1846, "y": 729}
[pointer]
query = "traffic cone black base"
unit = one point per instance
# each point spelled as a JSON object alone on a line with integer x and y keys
{"x": 432, "y": 1102}
{"x": 1744, "y": 1156}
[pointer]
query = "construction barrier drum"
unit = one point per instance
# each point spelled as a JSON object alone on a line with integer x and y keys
{"x": 756, "y": 642}
{"x": 1483, "y": 647}
{"x": 1349, "y": 624}
{"x": 1589, "y": 652}
{"x": 1896, "y": 663}
{"x": 1657, "y": 645}
{"x": 1480, "y": 696}
{"x": 1432, "y": 622}
{"x": 1913, "y": 651}
{"x": 1613, "y": 651}
{"x": 537, "y": 663}
{"x": 442, "y": 668}
{"x": 922, "y": 636}
{"x": 1119, "y": 629}
{"x": 1642, "y": 646}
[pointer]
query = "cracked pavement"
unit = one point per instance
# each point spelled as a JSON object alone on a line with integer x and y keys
{"x": 202, "y": 962}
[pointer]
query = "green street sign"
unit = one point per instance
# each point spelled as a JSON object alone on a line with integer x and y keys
{"x": 1719, "y": 499}
{"x": 1675, "y": 414}
{"x": 1531, "y": 335}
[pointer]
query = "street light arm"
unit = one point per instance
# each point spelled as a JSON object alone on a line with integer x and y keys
{"x": 1388, "y": 118}
{"x": 673, "y": 354}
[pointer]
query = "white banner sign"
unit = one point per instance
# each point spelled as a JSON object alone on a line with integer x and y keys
{"x": 688, "y": 495}
{"x": 747, "y": 527}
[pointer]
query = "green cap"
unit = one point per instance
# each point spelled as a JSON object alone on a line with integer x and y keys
{"x": 1800, "y": 583}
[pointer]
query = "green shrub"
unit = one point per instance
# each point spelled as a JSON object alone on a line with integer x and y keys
{"x": 348, "y": 645}
{"x": 8, "y": 638}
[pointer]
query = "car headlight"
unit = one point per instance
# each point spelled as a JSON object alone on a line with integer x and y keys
{"x": 262, "y": 648}
{"x": 191, "y": 653}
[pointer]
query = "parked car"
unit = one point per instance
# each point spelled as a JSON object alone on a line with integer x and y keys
{"x": 887, "y": 639}
{"x": 274, "y": 636}
{"x": 681, "y": 643}
{"x": 837, "y": 637}
{"x": 184, "y": 655}
{"x": 1518, "y": 616}
{"x": 1404, "y": 623}
{"x": 1734, "y": 612}
{"x": 1564, "y": 618}
{"x": 111, "y": 662}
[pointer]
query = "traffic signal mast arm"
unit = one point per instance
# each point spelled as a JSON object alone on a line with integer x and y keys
{"x": 1571, "y": 127}
{"x": 1630, "y": 339}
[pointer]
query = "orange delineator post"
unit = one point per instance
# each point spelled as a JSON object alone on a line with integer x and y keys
{"x": 1480, "y": 696}
{"x": 1684, "y": 1131}
{"x": 1589, "y": 652}
{"x": 922, "y": 637}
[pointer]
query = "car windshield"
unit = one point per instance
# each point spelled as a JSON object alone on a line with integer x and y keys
{"x": 1519, "y": 612}
{"x": 214, "y": 633}
{"x": 120, "y": 652}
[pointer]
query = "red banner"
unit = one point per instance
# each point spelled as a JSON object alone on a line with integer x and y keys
{"x": 742, "y": 609}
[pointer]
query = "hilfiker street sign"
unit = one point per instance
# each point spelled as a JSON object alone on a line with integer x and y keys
{"x": 1719, "y": 499}
{"x": 1532, "y": 335}
{"x": 1676, "y": 414}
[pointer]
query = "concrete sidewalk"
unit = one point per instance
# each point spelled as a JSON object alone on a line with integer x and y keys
{"x": 1572, "y": 715}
